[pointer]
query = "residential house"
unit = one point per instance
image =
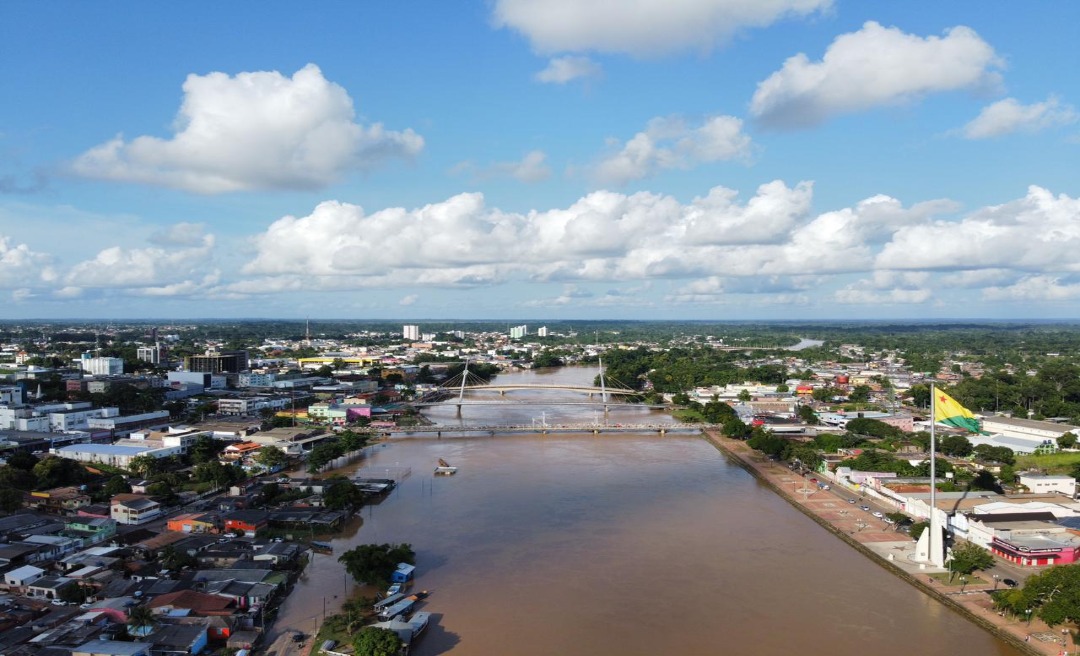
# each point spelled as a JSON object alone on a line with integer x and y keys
{"x": 112, "y": 648}
{"x": 193, "y": 523}
{"x": 23, "y": 576}
{"x": 48, "y": 587}
{"x": 197, "y": 603}
{"x": 248, "y": 521}
{"x": 279, "y": 553}
{"x": 134, "y": 509}
{"x": 178, "y": 640}
{"x": 90, "y": 530}
{"x": 58, "y": 501}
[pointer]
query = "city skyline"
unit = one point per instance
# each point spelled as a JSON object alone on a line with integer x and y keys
{"x": 714, "y": 160}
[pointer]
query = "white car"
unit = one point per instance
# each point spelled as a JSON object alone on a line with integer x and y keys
{"x": 878, "y": 514}
{"x": 58, "y": 602}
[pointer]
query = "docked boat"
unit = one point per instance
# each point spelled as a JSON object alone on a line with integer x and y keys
{"x": 445, "y": 469}
{"x": 322, "y": 547}
{"x": 401, "y": 607}
{"x": 419, "y": 622}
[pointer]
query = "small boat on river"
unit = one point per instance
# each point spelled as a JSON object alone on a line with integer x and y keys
{"x": 322, "y": 547}
{"x": 445, "y": 469}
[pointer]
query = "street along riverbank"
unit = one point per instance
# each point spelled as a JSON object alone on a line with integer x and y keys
{"x": 890, "y": 549}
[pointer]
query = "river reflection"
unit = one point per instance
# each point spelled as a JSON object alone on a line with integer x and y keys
{"x": 625, "y": 544}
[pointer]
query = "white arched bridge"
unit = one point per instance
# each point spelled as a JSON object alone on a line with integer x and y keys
{"x": 466, "y": 381}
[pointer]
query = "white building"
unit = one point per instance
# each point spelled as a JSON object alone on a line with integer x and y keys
{"x": 411, "y": 333}
{"x": 23, "y": 576}
{"x": 153, "y": 354}
{"x": 1026, "y": 428}
{"x": 542, "y": 331}
{"x": 519, "y": 332}
{"x": 112, "y": 454}
{"x": 133, "y": 509}
{"x": 101, "y": 366}
{"x": 1042, "y": 483}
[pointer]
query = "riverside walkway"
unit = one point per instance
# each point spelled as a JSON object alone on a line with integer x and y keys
{"x": 895, "y": 551}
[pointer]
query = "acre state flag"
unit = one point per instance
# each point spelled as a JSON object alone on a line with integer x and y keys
{"x": 947, "y": 411}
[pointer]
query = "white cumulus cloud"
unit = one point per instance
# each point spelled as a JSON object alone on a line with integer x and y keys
{"x": 671, "y": 143}
{"x": 561, "y": 70}
{"x": 1040, "y": 232}
{"x": 1009, "y": 115}
{"x": 641, "y": 27}
{"x": 148, "y": 271}
{"x": 20, "y": 265}
{"x": 257, "y": 130}
{"x": 872, "y": 67}
{"x": 1035, "y": 288}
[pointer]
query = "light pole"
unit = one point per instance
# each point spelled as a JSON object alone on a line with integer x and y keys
{"x": 963, "y": 584}
{"x": 1028, "y": 611}
{"x": 996, "y": 578}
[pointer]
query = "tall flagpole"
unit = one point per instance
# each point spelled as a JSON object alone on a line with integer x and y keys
{"x": 937, "y": 552}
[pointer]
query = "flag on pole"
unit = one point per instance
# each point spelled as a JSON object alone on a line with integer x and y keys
{"x": 947, "y": 411}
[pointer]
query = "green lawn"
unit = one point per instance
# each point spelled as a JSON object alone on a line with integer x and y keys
{"x": 1052, "y": 462}
{"x": 943, "y": 579}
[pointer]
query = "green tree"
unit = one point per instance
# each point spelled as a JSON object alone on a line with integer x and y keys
{"x": 860, "y": 394}
{"x": 372, "y": 641}
{"x": 998, "y": 454}
{"x": 917, "y": 529}
{"x": 373, "y": 564}
{"x": 1053, "y": 594}
{"x": 782, "y": 388}
{"x": 969, "y": 557}
{"x": 205, "y": 449}
{"x": 116, "y": 485}
{"x": 744, "y": 396}
{"x": 143, "y": 466}
{"x": 217, "y": 474}
{"x": 10, "y": 499}
{"x": 341, "y": 494}
{"x": 808, "y": 416}
{"x": 22, "y": 460}
{"x": 1067, "y": 440}
{"x": 955, "y": 445}
{"x": 271, "y": 457}
{"x": 52, "y": 472}
{"x": 984, "y": 480}
{"x": 140, "y": 620}
{"x": 20, "y": 479}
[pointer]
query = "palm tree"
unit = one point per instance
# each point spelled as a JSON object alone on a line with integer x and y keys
{"x": 140, "y": 621}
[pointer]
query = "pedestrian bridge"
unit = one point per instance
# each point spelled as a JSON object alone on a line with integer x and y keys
{"x": 543, "y": 429}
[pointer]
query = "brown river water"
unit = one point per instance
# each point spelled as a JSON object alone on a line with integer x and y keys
{"x": 619, "y": 544}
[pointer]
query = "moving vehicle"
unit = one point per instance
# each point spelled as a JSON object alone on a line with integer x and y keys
{"x": 878, "y": 514}
{"x": 865, "y": 508}
{"x": 851, "y": 501}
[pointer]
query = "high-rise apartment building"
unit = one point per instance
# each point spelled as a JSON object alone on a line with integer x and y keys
{"x": 542, "y": 331}
{"x": 411, "y": 333}
{"x": 518, "y": 332}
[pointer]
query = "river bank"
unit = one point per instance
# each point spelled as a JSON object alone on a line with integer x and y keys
{"x": 891, "y": 550}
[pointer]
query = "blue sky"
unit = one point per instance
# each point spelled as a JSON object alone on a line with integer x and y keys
{"x": 526, "y": 159}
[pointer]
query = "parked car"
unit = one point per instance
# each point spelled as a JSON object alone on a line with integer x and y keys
{"x": 825, "y": 486}
{"x": 878, "y": 514}
{"x": 1010, "y": 582}
{"x": 58, "y": 602}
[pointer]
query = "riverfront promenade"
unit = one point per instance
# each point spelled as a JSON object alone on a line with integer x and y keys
{"x": 894, "y": 550}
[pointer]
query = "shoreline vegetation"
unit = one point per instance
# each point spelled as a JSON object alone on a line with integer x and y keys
{"x": 974, "y": 603}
